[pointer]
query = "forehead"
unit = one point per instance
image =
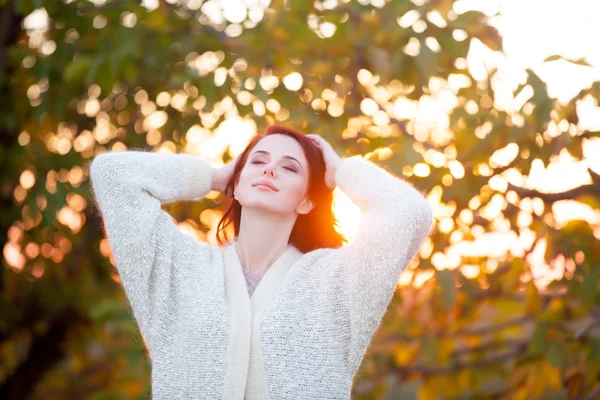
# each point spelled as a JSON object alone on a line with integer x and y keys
{"x": 281, "y": 145}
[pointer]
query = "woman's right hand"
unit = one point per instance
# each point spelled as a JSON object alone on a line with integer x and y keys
{"x": 332, "y": 159}
{"x": 222, "y": 175}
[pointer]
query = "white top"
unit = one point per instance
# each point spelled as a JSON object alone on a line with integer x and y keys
{"x": 304, "y": 331}
{"x": 252, "y": 280}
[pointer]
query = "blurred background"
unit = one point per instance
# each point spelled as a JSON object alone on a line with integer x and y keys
{"x": 489, "y": 108}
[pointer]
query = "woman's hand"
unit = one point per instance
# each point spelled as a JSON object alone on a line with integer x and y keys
{"x": 222, "y": 175}
{"x": 332, "y": 159}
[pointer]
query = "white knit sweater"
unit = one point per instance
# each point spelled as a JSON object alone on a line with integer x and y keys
{"x": 306, "y": 328}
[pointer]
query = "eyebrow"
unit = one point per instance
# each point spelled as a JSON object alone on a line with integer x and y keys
{"x": 286, "y": 156}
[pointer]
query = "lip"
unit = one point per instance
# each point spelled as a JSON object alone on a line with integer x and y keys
{"x": 266, "y": 184}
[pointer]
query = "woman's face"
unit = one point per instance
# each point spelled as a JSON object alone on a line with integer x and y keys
{"x": 277, "y": 160}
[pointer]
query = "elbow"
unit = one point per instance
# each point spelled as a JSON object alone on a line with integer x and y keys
{"x": 415, "y": 216}
{"x": 98, "y": 163}
{"x": 103, "y": 172}
{"x": 96, "y": 166}
{"x": 428, "y": 218}
{"x": 98, "y": 169}
{"x": 424, "y": 215}
{"x": 105, "y": 164}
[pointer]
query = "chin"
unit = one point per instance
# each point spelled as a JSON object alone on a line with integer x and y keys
{"x": 259, "y": 205}
{"x": 268, "y": 208}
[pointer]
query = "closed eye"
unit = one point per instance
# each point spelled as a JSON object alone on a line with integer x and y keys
{"x": 288, "y": 168}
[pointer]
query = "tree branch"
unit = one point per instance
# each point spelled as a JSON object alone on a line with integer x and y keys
{"x": 457, "y": 366}
{"x": 486, "y": 347}
{"x": 481, "y": 330}
{"x": 549, "y": 198}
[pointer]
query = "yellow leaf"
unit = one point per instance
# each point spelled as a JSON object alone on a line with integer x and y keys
{"x": 445, "y": 348}
{"x": 443, "y": 6}
{"x": 521, "y": 394}
{"x": 133, "y": 388}
{"x": 512, "y": 279}
{"x": 280, "y": 33}
{"x": 554, "y": 311}
{"x": 543, "y": 376}
{"x": 552, "y": 375}
{"x": 535, "y": 381}
{"x": 590, "y": 200}
{"x": 509, "y": 306}
{"x": 472, "y": 340}
{"x": 464, "y": 380}
{"x": 156, "y": 20}
{"x": 405, "y": 353}
{"x": 428, "y": 390}
{"x": 533, "y": 300}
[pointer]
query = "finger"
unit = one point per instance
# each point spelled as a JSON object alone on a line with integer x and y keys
{"x": 330, "y": 181}
{"x": 316, "y": 143}
{"x": 319, "y": 143}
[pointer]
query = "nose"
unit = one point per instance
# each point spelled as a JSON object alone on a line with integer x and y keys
{"x": 268, "y": 170}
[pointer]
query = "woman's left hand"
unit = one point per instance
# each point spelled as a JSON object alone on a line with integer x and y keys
{"x": 332, "y": 159}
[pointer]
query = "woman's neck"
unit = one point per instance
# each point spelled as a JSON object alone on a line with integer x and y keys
{"x": 262, "y": 239}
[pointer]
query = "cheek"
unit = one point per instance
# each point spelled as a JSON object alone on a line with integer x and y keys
{"x": 245, "y": 180}
{"x": 297, "y": 190}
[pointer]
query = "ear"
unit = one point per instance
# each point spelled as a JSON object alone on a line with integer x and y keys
{"x": 235, "y": 187}
{"x": 305, "y": 207}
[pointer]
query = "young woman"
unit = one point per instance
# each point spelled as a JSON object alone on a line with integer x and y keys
{"x": 282, "y": 311}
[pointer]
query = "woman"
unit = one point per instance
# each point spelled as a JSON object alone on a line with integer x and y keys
{"x": 303, "y": 331}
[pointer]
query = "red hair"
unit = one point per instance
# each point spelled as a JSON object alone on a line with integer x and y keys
{"x": 311, "y": 231}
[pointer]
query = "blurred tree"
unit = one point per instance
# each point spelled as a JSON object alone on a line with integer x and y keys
{"x": 386, "y": 79}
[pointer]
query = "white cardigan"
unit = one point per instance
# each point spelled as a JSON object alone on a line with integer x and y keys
{"x": 306, "y": 328}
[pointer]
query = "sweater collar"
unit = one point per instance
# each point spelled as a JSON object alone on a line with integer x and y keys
{"x": 271, "y": 279}
{"x": 246, "y": 311}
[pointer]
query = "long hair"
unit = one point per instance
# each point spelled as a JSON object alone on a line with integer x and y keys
{"x": 311, "y": 231}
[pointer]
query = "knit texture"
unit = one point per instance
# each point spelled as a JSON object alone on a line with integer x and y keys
{"x": 307, "y": 326}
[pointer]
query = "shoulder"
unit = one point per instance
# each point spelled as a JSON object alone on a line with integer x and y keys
{"x": 316, "y": 256}
{"x": 322, "y": 264}
{"x": 188, "y": 246}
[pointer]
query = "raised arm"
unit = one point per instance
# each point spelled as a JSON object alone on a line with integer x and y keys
{"x": 129, "y": 188}
{"x": 395, "y": 220}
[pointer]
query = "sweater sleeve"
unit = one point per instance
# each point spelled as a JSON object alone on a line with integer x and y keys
{"x": 129, "y": 188}
{"x": 395, "y": 219}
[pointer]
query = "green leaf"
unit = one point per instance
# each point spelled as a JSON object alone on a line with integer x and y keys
{"x": 106, "y": 310}
{"x": 542, "y": 101}
{"x": 75, "y": 71}
{"x": 430, "y": 349}
{"x": 556, "y": 353}
{"x": 562, "y": 395}
{"x": 427, "y": 61}
{"x": 589, "y": 285}
{"x": 594, "y": 347}
{"x": 127, "y": 328}
{"x": 537, "y": 342}
{"x": 446, "y": 280}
